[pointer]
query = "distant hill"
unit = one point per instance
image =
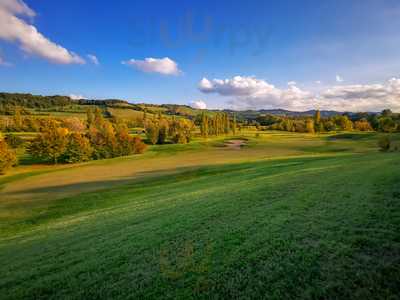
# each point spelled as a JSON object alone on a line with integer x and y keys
{"x": 55, "y": 102}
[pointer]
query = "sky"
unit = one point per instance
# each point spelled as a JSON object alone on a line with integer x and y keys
{"x": 297, "y": 55}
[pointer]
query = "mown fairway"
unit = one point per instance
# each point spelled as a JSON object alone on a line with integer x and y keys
{"x": 289, "y": 216}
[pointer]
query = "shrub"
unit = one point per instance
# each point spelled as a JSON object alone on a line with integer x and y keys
{"x": 384, "y": 143}
{"x": 7, "y": 157}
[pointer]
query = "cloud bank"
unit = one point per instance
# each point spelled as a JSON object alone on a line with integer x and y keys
{"x": 165, "y": 66}
{"x": 252, "y": 93}
{"x": 199, "y": 104}
{"x": 16, "y": 30}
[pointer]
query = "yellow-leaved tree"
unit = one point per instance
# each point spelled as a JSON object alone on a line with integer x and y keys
{"x": 8, "y": 157}
{"x": 50, "y": 144}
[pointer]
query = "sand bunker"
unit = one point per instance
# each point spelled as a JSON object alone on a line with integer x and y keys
{"x": 235, "y": 144}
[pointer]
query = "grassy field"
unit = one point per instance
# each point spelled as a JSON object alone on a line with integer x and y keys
{"x": 287, "y": 216}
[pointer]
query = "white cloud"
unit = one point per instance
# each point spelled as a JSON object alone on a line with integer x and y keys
{"x": 318, "y": 82}
{"x": 93, "y": 59}
{"x": 165, "y": 66}
{"x": 17, "y": 7}
{"x": 253, "y": 93}
{"x": 292, "y": 83}
{"x": 339, "y": 78}
{"x": 199, "y": 104}
{"x": 76, "y": 97}
{"x": 30, "y": 40}
{"x": 238, "y": 86}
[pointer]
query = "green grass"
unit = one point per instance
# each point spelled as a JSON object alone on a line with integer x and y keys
{"x": 287, "y": 217}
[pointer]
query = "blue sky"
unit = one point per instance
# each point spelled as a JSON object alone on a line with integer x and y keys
{"x": 335, "y": 54}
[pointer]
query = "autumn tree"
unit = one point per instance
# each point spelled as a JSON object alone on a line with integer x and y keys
{"x": 138, "y": 146}
{"x": 50, "y": 145}
{"x": 103, "y": 139}
{"x": 74, "y": 124}
{"x": 363, "y": 125}
{"x": 204, "y": 125}
{"x": 182, "y": 131}
{"x": 344, "y": 123}
{"x": 318, "y": 124}
{"x": 89, "y": 117}
{"x": 78, "y": 149}
{"x": 234, "y": 124}
{"x": 163, "y": 129}
{"x": 18, "y": 122}
{"x": 8, "y": 157}
{"x": 310, "y": 126}
{"x": 152, "y": 131}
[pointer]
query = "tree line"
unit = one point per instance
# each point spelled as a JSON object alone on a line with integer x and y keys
{"x": 74, "y": 141}
{"x": 219, "y": 124}
{"x": 161, "y": 130}
{"x": 386, "y": 121}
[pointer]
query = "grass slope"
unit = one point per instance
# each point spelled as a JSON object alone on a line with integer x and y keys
{"x": 322, "y": 227}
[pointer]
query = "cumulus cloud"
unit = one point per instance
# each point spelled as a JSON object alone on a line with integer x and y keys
{"x": 76, "y": 97}
{"x": 339, "y": 78}
{"x": 372, "y": 97}
{"x": 93, "y": 59}
{"x": 238, "y": 86}
{"x": 292, "y": 83}
{"x": 165, "y": 66}
{"x": 17, "y": 7}
{"x": 16, "y": 30}
{"x": 253, "y": 93}
{"x": 318, "y": 82}
{"x": 199, "y": 104}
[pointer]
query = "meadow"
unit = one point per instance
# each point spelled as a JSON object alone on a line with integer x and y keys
{"x": 283, "y": 216}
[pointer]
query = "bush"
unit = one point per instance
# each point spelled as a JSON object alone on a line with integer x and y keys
{"x": 384, "y": 143}
{"x": 7, "y": 157}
